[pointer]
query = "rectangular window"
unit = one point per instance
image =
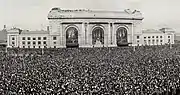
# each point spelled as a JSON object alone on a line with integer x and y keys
{"x": 23, "y": 42}
{"x": 152, "y": 36}
{"x": 29, "y": 38}
{"x": 160, "y": 36}
{"x": 157, "y": 41}
{"x": 144, "y": 37}
{"x": 44, "y": 42}
{"x": 34, "y": 38}
{"x": 149, "y": 37}
{"x": 39, "y": 42}
{"x": 39, "y": 38}
{"x": 13, "y": 38}
{"x": 138, "y": 41}
{"x": 13, "y": 43}
{"x": 145, "y": 42}
{"x": 157, "y": 37}
{"x": 137, "y": 37}
{"x": 34, "y": 43}
{"x": 169, "y": 36}
{"x": 161, "y": 41}
{"x": 44, "y": 38}
{"x": 23, "y": 38}
{"x": 54, "y": 38}
{"x": 153, "y": 42}
{"x": 29, "y": 43}
{"x": 54, "y": 42}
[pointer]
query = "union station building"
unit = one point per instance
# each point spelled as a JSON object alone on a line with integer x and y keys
{"x": 87, "y": 28}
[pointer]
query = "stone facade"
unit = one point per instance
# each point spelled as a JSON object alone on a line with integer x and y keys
{"x": 85, "y": 21}
{"x": 86, "y": 28}
{"x": 157, "y": 37}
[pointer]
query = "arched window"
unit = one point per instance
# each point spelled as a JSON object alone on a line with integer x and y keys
{"x": 121, "y": 36}
{"x": 98, "y": 36}
{"x": 72, "y": 37}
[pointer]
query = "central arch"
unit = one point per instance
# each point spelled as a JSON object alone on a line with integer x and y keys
{"x": 121, "y": 37}
{"x": 72, "y": 37}
{"x": 98, "y": 36}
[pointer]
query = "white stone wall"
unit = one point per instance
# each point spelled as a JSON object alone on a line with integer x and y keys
{"x": 164, "y": 38}
{"x": 31, "y": 40}
{"x": 85, "y": 38}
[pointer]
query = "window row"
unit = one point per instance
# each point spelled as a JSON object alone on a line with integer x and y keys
{"x": 138, "y": 37}
{"x": 153, "y": 37}
{"x": 153, "y": 40}
{"x": 34, "y": 43}
{"x": 34, "y": 38}
{"x": 38, "y": 47}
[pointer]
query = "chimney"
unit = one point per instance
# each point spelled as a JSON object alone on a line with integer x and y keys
{"x": 47, "y": 28}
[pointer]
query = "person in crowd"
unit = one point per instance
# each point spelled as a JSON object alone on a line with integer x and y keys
{"x": 107, "y": 71}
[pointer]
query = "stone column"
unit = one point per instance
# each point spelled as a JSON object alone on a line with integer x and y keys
{"x": 63, "y": 36}
{"x": 57, "y": 34}
{"x": 86, "y": 30}
{"x": 109, "y": 34}
{"x": 113, "y": 35}
{"x": 18, "y": 40}
{"x": 89, "y": 36}
{"x": 60, "y": 35}
{"x": 132, "y": 34}
{"x": 81, "y": 38}
{"x": 110, "y": 38}
{"x": 106, "y": 38}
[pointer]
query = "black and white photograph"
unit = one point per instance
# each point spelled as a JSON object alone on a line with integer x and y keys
{"x": 89, "y": 47}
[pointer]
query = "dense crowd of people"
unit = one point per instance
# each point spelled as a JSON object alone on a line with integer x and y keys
{"x": 91, "y": 71}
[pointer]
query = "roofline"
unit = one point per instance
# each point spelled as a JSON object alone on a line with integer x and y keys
{"x": 34, "y": 33}
{"x": 99, "y": 18}
{"x": 90, "y": 10}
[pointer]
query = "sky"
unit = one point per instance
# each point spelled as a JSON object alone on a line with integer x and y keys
{"x": 32, "y": 14}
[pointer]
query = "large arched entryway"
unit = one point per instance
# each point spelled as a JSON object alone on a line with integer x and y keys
{"x": 121, "y": 36}
{"x": 72, "y": 37}
{"x": 98, "y": 37}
